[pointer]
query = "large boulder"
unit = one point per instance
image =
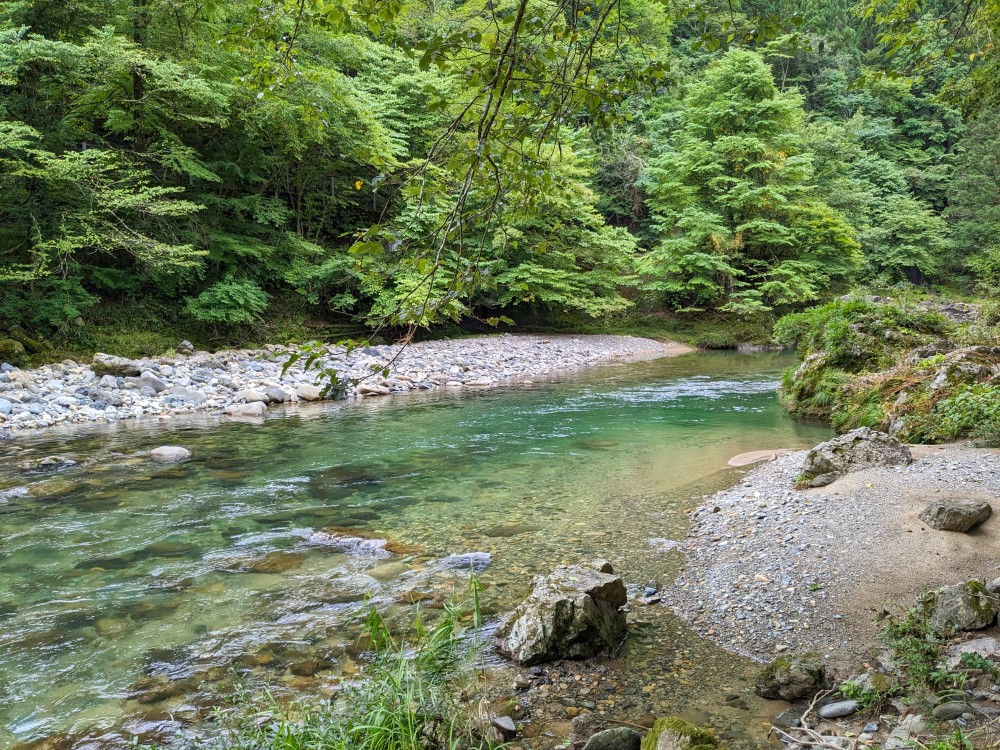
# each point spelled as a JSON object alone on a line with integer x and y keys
{"x": 574, "y": 613}
{"x": 964, "y": 606}
{"x": 956, "y": 515}
{"x": 855, "y": 450}
{"x": 792, "y": 677}
{"x": 120, "y": 367}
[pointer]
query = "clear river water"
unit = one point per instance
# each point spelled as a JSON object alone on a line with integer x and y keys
{"x": 127, "y": 586}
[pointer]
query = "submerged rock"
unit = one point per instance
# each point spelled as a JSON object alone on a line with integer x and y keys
{"x": 169, "y": 453}
{"x": 856, "y": 450}
{"x": 575, "y": 613}
{"x": 956, "y": 515}
{"x": 792, "y": 677}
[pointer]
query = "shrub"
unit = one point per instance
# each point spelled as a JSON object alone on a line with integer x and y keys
{"x": 232, "y": 301}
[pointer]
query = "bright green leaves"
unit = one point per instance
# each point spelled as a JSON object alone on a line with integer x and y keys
{"x": 739, "y": 229}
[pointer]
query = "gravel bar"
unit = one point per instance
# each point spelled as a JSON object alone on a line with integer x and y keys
{"x": 245, "y": 383}
{"x": 770, "y": 568}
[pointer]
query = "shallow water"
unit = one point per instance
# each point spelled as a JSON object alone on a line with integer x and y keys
{"x": 118, "y": 575}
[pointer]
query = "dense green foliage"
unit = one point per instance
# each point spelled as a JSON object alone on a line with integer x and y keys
{"x": 234, "y": 170}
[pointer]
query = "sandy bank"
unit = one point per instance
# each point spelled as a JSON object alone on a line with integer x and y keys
{"x": 770, "y": 567}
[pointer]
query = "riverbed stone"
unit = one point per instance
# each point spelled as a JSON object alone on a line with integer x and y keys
{"x": 251, "y": 409}
{"x": 277, "y": 395}
{"x": 964, "y": 606}
{"x": 574, "y": 613}
{"x": 170, "y": 453}
{"x": 151, "y": 381}
{"x": 108, "y": 364}
{"x": 947, "y": 514}
{"x": 858, "y": 449}
{"x": 838, "y": 709}
{"x": 188, "y": 395}
{"x": 252, "y": 395}
{"x": 949, "y": 710}
{"x": 308, "y": 392}
{"x": 792, "y": 677}
{"x": 986, "y": 648}
{"x": 618, "y": 738}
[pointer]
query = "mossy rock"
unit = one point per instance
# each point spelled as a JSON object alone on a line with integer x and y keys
{"x": 11, "y": 350}
{"x": 792, "y": 677}
{"x": 965, "y": 606}
{"x": 673, "y": 733}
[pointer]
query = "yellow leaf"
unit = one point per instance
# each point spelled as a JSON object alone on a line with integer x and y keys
{"x": 972, "y": 56}
{"x": 357, "y": 185}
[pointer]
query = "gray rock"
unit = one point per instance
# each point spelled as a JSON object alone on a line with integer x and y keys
{"x": 838, "y": 709}
{"x": 308, "y": 392}
{"x": 505, "y": 726}
{"x": 184, "y": 347}
{"x": 575, "y": 613}
{"x": 949, "y": 710}
{"x": 468, "y": 561}
{"x": 792, "y": 677}
{"x": 188, "y": 395}
{"x": 277, "y": 395}
{"x": 5, "y": 406}
{"x": 965, "y": 606}
{"x": 956, "y": 515}
{"x": 169, "y": 453}
{"x": 619, "y": 738}
{"x": 372, "y": 389}
{"x": 108, "y": 381}
{"x": 908, "y": 729}
{"x": 108, "y": 364}
{"x": 858, "y": 449}
{"x": 149, "y": 380}
{"x": 252, "y": 409}
{"x": 987, "y": 648}
{"x": 252, "y": 395}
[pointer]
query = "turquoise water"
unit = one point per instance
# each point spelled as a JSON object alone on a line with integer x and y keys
{"x": 128, "y": 588}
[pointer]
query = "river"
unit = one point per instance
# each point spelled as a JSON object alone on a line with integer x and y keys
{"x": 120, "y": 577}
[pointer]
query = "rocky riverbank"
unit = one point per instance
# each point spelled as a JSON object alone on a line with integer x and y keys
{"x": 771, "y": 569}
{"x": 244, "y": 383}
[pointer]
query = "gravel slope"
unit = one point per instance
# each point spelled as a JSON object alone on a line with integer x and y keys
{"x": 770, "y": 567}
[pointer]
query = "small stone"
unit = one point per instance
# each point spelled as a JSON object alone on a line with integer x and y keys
{"x": 949, "y": 710}
{"x": 838, "y": 710}
{"x": 506, "y": 726}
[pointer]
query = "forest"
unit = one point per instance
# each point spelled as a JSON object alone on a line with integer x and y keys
{"x": 236, "y": 170}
